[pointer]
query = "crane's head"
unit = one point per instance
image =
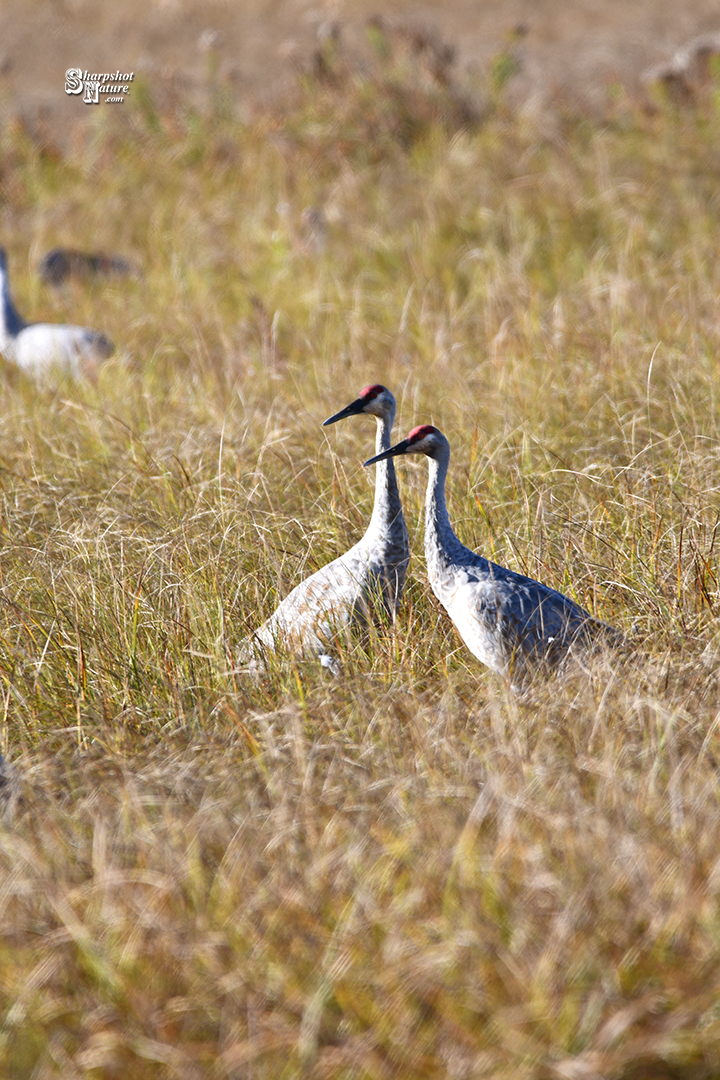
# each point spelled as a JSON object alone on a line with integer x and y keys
{"x": 425, "y": 439}
{"x": 376, "y": 400}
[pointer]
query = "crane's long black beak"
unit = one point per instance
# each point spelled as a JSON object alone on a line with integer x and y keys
{"x": 398, "y": 448}
{"x": 352, "y": 409}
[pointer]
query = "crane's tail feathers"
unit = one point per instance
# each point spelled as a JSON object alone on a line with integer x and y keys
{"x": 596, "y": 633}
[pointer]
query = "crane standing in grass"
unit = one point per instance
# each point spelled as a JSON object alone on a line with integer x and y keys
{"x": 37, "y": 347}
{"x": 370, "y": 575}
{"x": 512, "y": 623}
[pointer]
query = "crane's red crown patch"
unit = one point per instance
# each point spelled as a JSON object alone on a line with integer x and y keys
{"x": 371, "y": 392}
{"x": 419, "y": 433}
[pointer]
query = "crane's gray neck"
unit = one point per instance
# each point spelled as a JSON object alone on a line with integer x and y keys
{"x": 387, "y": 509}
{"x": 441, "y": 544}
{"x": 10, "y": 322}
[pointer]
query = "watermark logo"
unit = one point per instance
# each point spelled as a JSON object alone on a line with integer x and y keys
{"x": 112, "y": 86}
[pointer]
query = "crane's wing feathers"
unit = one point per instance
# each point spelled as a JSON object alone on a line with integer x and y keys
{"x": 344, "y": 592}
{"x": 508, "y": 620}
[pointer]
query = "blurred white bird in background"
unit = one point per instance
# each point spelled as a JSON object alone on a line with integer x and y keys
{"x": 40, "y": 347}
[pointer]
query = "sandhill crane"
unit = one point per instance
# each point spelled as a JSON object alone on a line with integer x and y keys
{"x": 510, "y": 622}
{"x": 35, "y": 347}
{"x": 370, "y": 575}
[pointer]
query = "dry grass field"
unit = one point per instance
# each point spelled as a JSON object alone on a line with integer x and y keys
{"x": 407, "y": 871}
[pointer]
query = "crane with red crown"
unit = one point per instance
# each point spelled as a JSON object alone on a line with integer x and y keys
{"x": 512, "y": 623}
{"x": 367, "y": 578}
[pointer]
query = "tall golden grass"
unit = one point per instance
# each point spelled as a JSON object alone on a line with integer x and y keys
{"x": 407, "y": 871}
